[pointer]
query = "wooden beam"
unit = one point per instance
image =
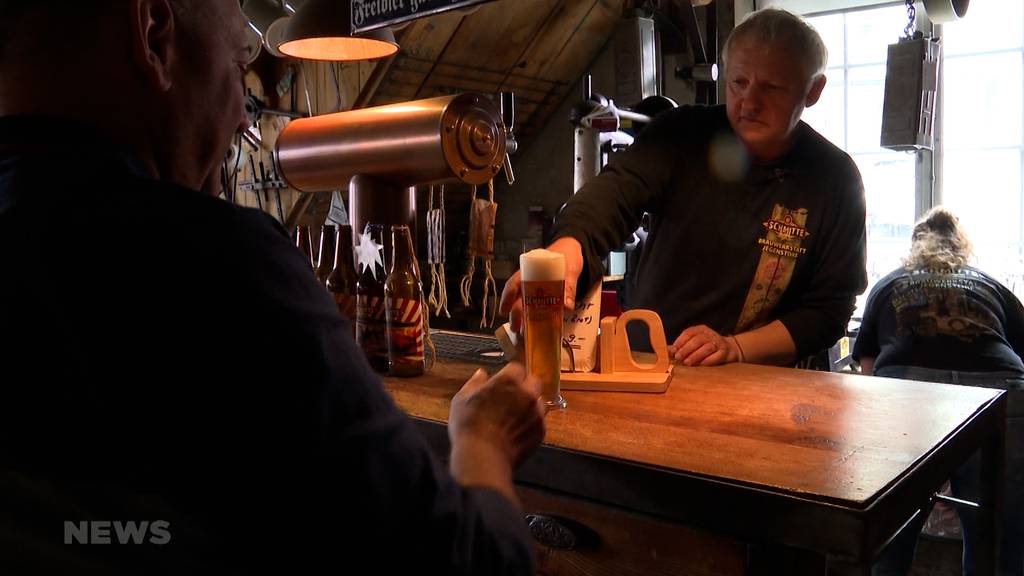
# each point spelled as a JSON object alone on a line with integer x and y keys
{"x": 590, "y": 36}
{"x": 421, "y": 43}
{"x": 501, "y": 31}
{"x": 494, "y": 38}
{"x": 558, "y": 31}
{"x": 372, "y": 84}
{"x": 568, "y": 61}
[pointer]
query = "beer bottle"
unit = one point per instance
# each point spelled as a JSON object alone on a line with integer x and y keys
{"x": 403, "y": 296}
{"x": 326, "y": 260}
{"x": 342, "y": 281}
{"x": 371, "y": 321}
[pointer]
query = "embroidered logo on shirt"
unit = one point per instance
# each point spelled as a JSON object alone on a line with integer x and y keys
{"x": 785, "y": 231}
{"x": 783, "y": 234}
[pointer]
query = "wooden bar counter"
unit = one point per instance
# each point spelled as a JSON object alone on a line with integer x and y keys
{"x": 829, "y": 464}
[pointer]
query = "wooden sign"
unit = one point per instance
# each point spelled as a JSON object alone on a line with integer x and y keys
{"x": 372, "y": 14}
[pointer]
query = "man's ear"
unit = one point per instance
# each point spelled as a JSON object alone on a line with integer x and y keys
{"x": 153, "y": 40}
{"x": 817, "y": 85}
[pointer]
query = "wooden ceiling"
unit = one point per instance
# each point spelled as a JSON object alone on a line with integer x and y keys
{"x": 537, "y": 49}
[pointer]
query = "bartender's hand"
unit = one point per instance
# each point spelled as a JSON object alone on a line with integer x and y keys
{"x": 702, "y": 346}
{"x": 512, "y": 294}
{"x": 493, "y": 425}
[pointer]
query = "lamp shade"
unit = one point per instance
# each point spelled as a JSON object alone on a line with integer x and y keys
{"x": 275, "y": 36}
{"x": 262, "y": 13}
{"x": 253, "y": 42}
{"x": 262, "y": 16}
{"x": 942, "y": 11}
{"x": 269, "y": 19}
{"x": 322, "y": 30}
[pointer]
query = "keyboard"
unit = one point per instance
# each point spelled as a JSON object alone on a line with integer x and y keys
{"x": 476, "y": 348}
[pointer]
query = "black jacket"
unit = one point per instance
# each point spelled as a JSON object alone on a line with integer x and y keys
{"x": 167, "y": 356}
{"x": 731, "y": 245}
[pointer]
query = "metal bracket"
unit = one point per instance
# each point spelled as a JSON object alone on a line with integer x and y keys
{"x": 705, "y": 50}
{"x": 955, "y": 501}
{"x": 268, "y": 185}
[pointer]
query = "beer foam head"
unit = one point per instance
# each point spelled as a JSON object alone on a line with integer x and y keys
{"x": 542, "y": 265}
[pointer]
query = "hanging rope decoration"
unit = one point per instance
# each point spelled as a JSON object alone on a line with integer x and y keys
{"x": 438, "y": 297}
{"x": 482, "y": 215}
{"x": 467, "y": 279}
{"x": 490, "y": 212}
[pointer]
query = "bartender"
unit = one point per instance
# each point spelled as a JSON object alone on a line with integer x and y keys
{"x": 756, "y": 245}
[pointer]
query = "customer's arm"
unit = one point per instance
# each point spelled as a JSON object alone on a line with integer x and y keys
{"x": 374, "y": 483}
{"x": 494, "y": 424}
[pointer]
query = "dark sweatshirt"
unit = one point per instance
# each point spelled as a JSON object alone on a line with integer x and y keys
{"x": 959, "y": 319}
{"x": 169, "y": 357}
{"x": 733, "y": 249}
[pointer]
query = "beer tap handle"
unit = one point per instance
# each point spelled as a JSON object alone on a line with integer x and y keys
{"x": 507, "y": 103}
{"x": 509, "y": 174}
{"x": 507, "y": 106}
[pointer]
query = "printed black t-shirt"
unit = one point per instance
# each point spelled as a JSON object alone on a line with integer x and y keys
{"x": 949, "y": 320}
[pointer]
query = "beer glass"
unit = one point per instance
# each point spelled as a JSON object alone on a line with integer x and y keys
{"x": 543, "y": 277}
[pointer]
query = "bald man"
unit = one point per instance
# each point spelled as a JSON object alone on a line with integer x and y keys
{"x": 177, "y": 392}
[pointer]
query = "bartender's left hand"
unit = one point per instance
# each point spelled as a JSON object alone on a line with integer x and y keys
{"x": 702, "y": 346}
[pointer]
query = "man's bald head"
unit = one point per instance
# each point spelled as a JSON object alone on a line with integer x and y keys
{"x": 161, "y": 77}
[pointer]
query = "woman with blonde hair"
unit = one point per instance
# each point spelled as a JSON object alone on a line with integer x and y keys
{"x": 938, "y": 319}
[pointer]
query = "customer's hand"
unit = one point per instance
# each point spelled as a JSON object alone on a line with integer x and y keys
{"x": 501, "y": 417}
{"x": 512, "y": 294}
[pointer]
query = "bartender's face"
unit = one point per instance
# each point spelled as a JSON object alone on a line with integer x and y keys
{"x": 768, "y": 88}
{"x": 209, "y": 99}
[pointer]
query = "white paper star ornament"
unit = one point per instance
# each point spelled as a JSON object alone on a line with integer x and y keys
{"x": 369, "y": 252}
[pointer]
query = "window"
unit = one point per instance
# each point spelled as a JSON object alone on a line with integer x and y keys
{"x": 983, "y": 133}
{"x": 850, "y": 115}
{"x": 980, "y": 139}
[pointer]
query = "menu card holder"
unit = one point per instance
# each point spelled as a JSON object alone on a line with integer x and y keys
{"x": 617, "y": 370}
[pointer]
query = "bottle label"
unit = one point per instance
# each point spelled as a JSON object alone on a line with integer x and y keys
{"x": 346, "y": 304}
{"x": 371, "y": 329}
{"x": 405, "y": 331}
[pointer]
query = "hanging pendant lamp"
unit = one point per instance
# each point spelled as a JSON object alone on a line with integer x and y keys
{"x": 266, "y": 18}
{"x": 322, "y": 30}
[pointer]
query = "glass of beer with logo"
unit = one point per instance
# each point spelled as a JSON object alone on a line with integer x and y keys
{"x": 543, "y": 277}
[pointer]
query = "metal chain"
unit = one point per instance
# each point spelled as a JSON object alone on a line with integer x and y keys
{"x": 908, "y": 32}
